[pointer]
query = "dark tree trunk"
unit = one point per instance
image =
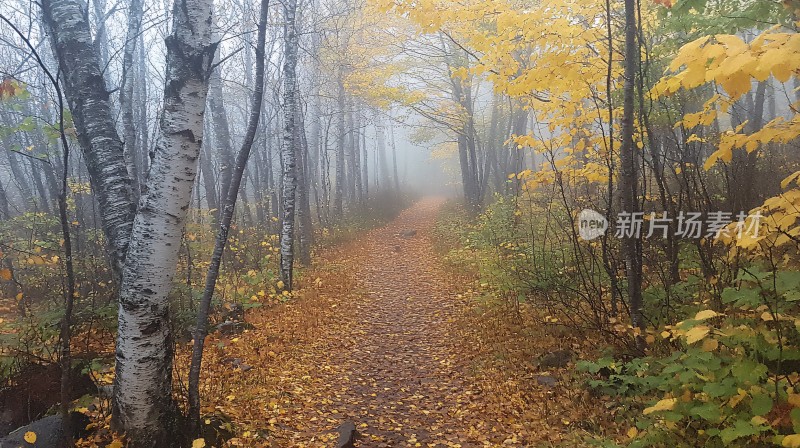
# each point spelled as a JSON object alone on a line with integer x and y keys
{"x": 201, "y": 329}
{"x": 632, "y": 246}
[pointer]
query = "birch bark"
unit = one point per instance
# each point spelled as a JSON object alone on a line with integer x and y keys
{"x": 290, "y": 142}
{"x": 143, "y": 404}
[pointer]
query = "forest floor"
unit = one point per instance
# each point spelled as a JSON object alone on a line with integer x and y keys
{"x": 384, "y": 335}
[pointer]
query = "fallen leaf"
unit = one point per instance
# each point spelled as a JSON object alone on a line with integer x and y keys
{"x": 663, "y": 405}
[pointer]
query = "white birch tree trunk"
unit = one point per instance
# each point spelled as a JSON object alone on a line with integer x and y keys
{"x": 290, "y": 142}
{"x": 142, "y": 390}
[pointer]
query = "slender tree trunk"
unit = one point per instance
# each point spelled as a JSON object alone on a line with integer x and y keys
{"x": 247, "y": 211}
{"x": 101, "y": 35}
{"x": 135, "y": 13}
{"x": 142, "y": 405}
{"x": 305, "y": 229}
{"x": 290, "y": 142}
{"x": 394, "y": 159}
{"x": 492, "y": 145}
{"x": 744, "y": 164}
{"x": 143, "y": 142}
{"x": 273, "y": 189}
{"x": 5, "y": 211}
{"x": 20, "y": 178}
{"x": 383, "y": 165}
{"x": 69, "y": 290}
{"x": 222, "y": 135}
{"x": 610, "y": 268}
{"x": 325, "y": 174}
{"x": 349, "y": 163}
{"x": 258, "y": 191}
{"x": 201, "y": 329}
{"x": 355, "y": 156}
{"x": 471, "y": 135}
{"x": 44, "y": 201}
{"x": 338, "y": 198}
{"x": 209, "y": 179}
{"x": 365, "y": 165}
{"x": 466, "y": 142}
{"x": 632, "y": 246}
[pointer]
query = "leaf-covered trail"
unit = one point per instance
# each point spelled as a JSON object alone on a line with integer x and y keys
{"x": 398, "y": 375}
{"x": 373, "y": 339}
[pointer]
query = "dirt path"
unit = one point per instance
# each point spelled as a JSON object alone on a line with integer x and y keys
{"x": 398, "y": 376}
{"x": 371, "y": 342}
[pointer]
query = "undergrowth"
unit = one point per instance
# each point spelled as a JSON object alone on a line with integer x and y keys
{"x": 721, "y": 358}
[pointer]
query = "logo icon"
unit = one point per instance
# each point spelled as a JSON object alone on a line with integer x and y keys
{"x": 591, "y": 225}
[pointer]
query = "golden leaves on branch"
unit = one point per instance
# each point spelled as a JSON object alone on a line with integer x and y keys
{"x": 731, "y": 63}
